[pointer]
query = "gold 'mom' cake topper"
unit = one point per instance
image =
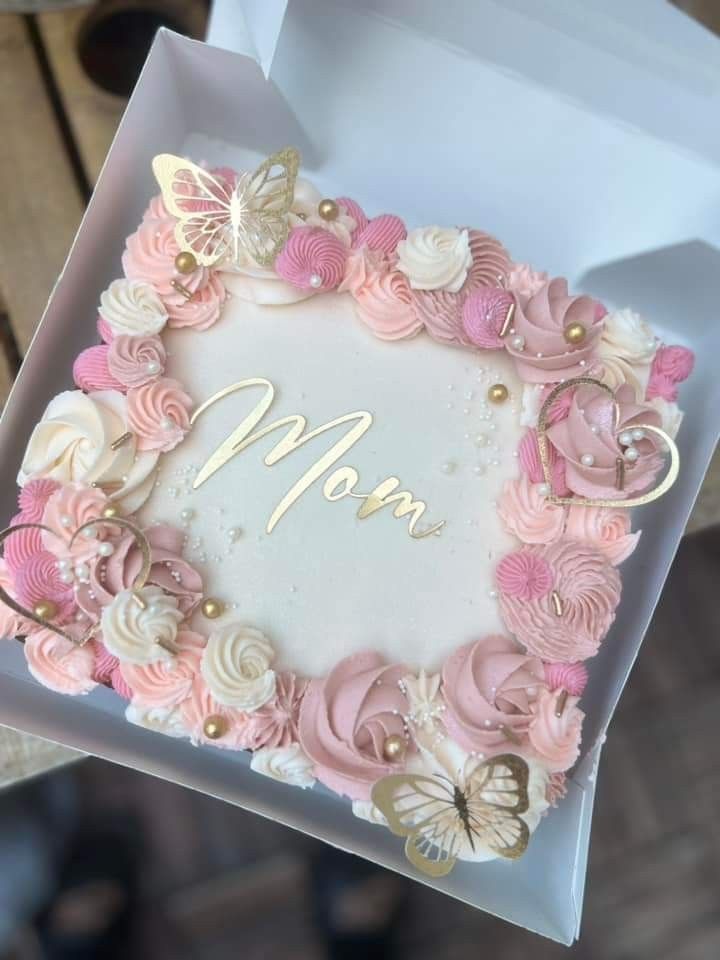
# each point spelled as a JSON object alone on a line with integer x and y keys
{"x": 219, "y": 220}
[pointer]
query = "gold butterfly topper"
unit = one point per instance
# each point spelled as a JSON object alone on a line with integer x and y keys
{"x": 44, "y": 611}
{"x": 441, "y": 818}
{"x": 221, "y": 221}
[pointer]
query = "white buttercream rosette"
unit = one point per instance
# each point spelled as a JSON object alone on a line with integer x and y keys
{"x": 435, "y": 258}
{"x": 236, "y": 667}
{"x": 626, "y": 349}
{"x": 140, "y": 626}
{"x": 286, "y": 764}
{"x": 72, "y": 443}
{"x": 132, "y": 307}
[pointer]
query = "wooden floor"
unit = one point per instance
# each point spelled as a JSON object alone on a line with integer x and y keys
{"x": 217, "y": 877}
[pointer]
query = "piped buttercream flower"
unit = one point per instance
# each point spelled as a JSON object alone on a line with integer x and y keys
{"x": 275, "y": 724}
{"x": 236, "y": 667}
{"x": 571, "y": 677}
{"x": 68, "y": 509}
{"x": 140, "y": 626}
{"x": 159, "y": 414}
{"x": 554, "y": 334}
{"x": 39, "y": 579}
{"x": 382, "y": 233}
{"x": 166, "y": 682}
{"x": 485, "y": 313}
{"x": 345, "y": 719}
{"x": 134, "y": 361}
{"x": 606, "y": 528}
{"x": 33, "y": 497}
{"x": 626, "y": 349}
{"x": 312, "y": 259}
{"x": 566, "y": 617}
{"x": 91, "y": 370}
{"x": 208, "y": 721}
{"x": 20, "y": 545}
{"x": 670, "y": 367}
{"x": 60, "y": 664}
{"x": 202, "y": 310}
{"x": 385, "y": 304}
{"x": 132, "y": 307}
{"x": 149, "y": 257}
{"x": 73, "y": 443}
{"x": 554, "y": 733}
{"x": 435, "y": 258}
{"x": 488, "y": 687}
{"x": 525, "y": 282}
{"x": 286, "y": 763}
{"x": 528, "y": 514}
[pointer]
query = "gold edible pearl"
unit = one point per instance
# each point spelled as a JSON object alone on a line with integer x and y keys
{"x": 215, "y": 727}
{"x": 212, "y": 608}
{"x": 328, "y": 209}
{"x": 45, "y": 609}
{"x": 393, "y": 747}
{"x": 498, "y": 393}
{"x": 111, "y": 511}
{"x": 574, "y": 333}
{"x": 185, "y": 262}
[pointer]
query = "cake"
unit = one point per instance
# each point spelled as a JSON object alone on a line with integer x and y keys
{"x": 349, "y": 495}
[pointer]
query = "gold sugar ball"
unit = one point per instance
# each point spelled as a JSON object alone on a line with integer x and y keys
{"x": 394, "y": 747}
{"x": 328, "y": 209}
{"x": 185, "y": 262}
{"x": 212, "y": 608}
{"x": 45, "y": 609}
{"x": 574, "y": 333}
{"x": 498, "y": 393}
{"x": 111, "y": 511}
{"x": 215, "y": 727}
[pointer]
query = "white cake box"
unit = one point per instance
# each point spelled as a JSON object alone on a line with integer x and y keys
{"x": 414, "y": 112}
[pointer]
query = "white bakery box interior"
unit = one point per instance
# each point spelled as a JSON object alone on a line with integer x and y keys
{"x": 545, "y": 127}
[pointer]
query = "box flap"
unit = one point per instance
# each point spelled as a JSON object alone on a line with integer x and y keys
{"x": 249, "y": 27}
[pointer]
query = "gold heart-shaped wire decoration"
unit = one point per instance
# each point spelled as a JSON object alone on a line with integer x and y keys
{"x": 639, "y": 501}
{"x": 138, "y": 583}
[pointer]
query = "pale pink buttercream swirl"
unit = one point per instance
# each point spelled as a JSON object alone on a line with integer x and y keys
{"x": 60, "y": 664}
{"x": 33, "y": 497}
{"x": 531, "y": 464}
{"x": 159, "y": 414}
{"x": 312, "y": 259}
{"x": 381, "y": 233}
{"x": 91, "y": 371}
{"x": 168, "y": 570}
{"x": 385, "y": 304}
{"x": 39, "y": 579}
{"x": 135, "y": 361}
{"x": 572, "y": 677}
{"x": 11, "y": 623}
{"x": 489, "y": 685}
{"x": 590, "y": 430}
{"x": 546, "y": 356}
{"x": 275, "y": 724}
{"x": 361, "y": 266}
{"x": 606, "y": 528}
{"x": 150, "y": 256}
{"x": 588, "y": 589}
{"x": 490, "y": 261}
{"x": 106, "y": 332}
{"x": 200, "y": 312}
{"x": 524, "y": 576}
{"x": 65, "y": 512}
{"x": 528, "y": 514}
{"x": 556, "y": 740}
{"x": 525, "y": 282}
{"x": 199, "y": 706}
{"x": 22, "y": 544}
{"x": 166, "y": 682}
{"x": 484, "y": 314}
{"x": 345, "y": 719}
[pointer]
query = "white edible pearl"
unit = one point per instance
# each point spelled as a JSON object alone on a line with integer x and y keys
{"x": 152, "y": 367}
{"x": 234, "y": 533}
{"x": 64, "y": 564}
{"x": 479, "y": 470}
{"x": 544, "y": 489}
{"x": 167, "y": 423}
{"x": 448, "y": 467}
{"x": 106, "y": 549}
{"x": 315, "y": 280}
{"x": 82, "y": 571}
{"x": 638, "y": 434}
{"x": 482, "y": 440}
{"x": 65, "y": 521}
{"x": 631, "y": 454}
{"x": 90, "y": 533}
{"x": 517, "y": 342}
{"x": 67, "y": 576}
{"x": 587, "y": 459}
{"x": 594, "y": 428}
{"x": 187, "y": 514}
{"x": 625, "y": 438}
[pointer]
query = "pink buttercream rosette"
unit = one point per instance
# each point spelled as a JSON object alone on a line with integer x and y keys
{"x": 312, "y": 259}
{"x": 345, "y": 719}
{"x": 199, "y": 706}
{"x": 383, "y": 299}
{"x": 135, "y": 361}
{"x": 60, "y": 664}
{"x": 159, "y": 414}
{"x": 591, "y": 430}
{"x": 488, "y": 687}
{"x": 275, "y": 724}
{"x": 166, "y": 682}
{"x": 556, "y": 739}
{"x": 586, "y": 584}
{"x": 670, "y": 367}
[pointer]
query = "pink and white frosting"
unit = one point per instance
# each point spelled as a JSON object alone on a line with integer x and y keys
{"x": 60, "y": 664}
{"x": 134, "y": 361}
{"x": 166, "y": 683}
{"x": 556, "y": 739}
{"x": 200, "y": 706}
{"x": 159, "y": 414}
{"x": 586, "y": 585}
{"x": 489, "y": 687}
{"x": 66, "y": 511}
{"x": 543, "y": 355}
{"x": 345, "y": 719}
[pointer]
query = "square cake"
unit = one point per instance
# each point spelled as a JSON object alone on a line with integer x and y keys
{"x": 347, "y": 494}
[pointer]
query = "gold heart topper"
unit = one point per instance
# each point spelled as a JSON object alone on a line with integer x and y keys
{"x": 638, "y": 501}
{"x": 139, "y": 582}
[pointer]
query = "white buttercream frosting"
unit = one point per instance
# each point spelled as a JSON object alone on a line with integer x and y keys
{"x": 140, "y": 626}
{"x": 236, "y": 667}
{"x": 626, "y": 349}
{"x": 366, "y": 810}
{"x": 72, "y": 443}
{"x": 435, "y": 258}
{"x": 286, "y": 764}
{"x": 132, "y": 307}
{"x": 166, "y": 720}
{"x": 671, "y": 414}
